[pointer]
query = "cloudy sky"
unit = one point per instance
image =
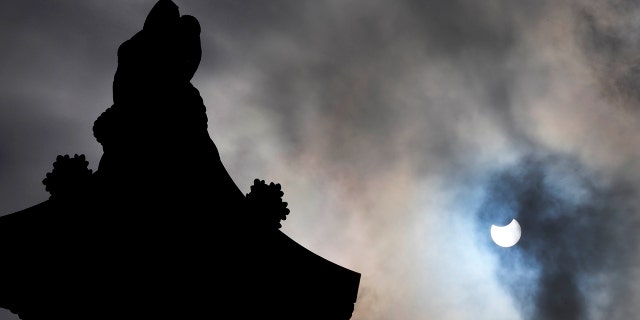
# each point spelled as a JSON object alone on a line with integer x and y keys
{"x": 400, "y": 132}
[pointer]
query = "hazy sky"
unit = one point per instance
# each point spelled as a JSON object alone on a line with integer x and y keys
{"x": 400, "y": 131}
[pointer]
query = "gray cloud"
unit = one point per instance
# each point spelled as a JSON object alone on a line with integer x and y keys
{"x": 608, "y": 36}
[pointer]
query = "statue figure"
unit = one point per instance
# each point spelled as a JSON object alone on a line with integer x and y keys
{"x": 161, "y": 230}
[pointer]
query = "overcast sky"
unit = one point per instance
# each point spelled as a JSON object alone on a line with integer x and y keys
{"x": 400, "y": 132}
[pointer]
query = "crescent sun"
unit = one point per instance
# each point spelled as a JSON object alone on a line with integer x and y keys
{"x": 508, "y": 235}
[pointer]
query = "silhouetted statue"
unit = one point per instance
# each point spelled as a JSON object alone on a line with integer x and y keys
{"x": 160, "y": 230}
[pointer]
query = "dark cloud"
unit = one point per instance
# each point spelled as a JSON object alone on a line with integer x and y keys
{"x": 58, "y": 61}
{"x": 574, "y": 228}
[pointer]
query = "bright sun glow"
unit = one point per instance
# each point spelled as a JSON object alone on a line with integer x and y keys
{"x": 508, "y": 235}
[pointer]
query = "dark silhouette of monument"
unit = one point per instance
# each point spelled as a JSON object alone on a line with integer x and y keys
{"x": 160, "y": 230}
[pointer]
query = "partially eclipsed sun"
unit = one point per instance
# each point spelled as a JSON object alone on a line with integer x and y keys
{"x": 508, "y": 235}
